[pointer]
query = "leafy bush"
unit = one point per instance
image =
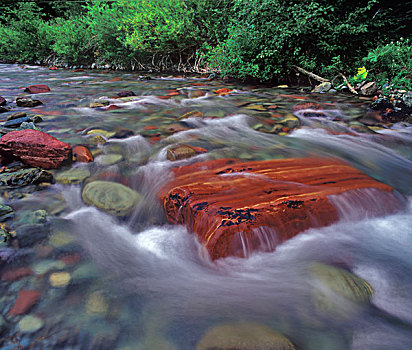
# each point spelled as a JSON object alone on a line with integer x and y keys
{"x": 267, "y": 37}
{"x": 19, "y": 32}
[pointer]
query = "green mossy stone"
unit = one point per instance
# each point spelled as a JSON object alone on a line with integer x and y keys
{"x": 243, "y": 336}
{"x": 343, "y": 282}
{"x": 72, "y": 176}
{"x": 109, "y": 159}
{"x": 111, "y": 197}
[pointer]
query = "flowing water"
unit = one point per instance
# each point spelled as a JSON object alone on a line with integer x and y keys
{"x": 141, "y": 283}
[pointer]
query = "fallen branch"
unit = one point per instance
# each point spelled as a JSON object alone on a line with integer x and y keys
{"x": 352, "y": 90}
{"x": 311, "y": 75}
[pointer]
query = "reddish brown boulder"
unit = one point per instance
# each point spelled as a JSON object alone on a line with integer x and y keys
{"x": 15, "y": 274}
{"x": 82, "y": 154}
{"x": 2, "y": 101}
{"x": 25, "y": 300}
{"x": 307, "y": 105}
{"x": 235, "y": 208}
{"x": 35, "y": 148}
{"x": 37, "y": 89}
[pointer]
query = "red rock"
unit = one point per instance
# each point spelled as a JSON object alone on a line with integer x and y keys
{"x": 78, "y": 70}
{"x": 37, "y": 89}
{"x": 223, "y": 91}
{"x": 111, "y": 108}
{"x": 82, "y": 154}
{"x": 70, "y": 259}
{"x": 199, "y": 150}
{"x": 53, "y": 68}
{"x": 2, "y": 101}
{"x": 15, "y": 274}
{"x": 150, "y": 127}
{"x": 307, "y": 105}
{"x": 35, "y": 148}
{"x": 233, "y": 214}
{"x": 155, "y": 139}
{"x": 25, "y": 300}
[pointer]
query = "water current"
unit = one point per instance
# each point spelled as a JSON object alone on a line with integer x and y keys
{"x": 142, "y": 283}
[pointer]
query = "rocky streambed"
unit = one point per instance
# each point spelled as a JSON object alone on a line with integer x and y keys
{"x": 169, "y": 212}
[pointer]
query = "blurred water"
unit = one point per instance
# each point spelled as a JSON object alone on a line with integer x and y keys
{"x": 162, "y": 283}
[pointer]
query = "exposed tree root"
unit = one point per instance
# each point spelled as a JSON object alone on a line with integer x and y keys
{"x": 311, "y": 75}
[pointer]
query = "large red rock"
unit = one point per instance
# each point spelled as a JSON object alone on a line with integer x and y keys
{"x": 35, "y": 148}
{"x": 236, "y": 208}
{"x": 25, "y": 300}
{"x": 37, "y": 89}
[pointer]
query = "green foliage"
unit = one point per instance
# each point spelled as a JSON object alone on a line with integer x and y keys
{"x": 391, "y": 64}
{"x": 267, "y": 37}
{"x": 19, "y": 33}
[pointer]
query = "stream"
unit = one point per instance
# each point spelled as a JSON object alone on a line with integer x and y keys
{"x": 139, "y": 282}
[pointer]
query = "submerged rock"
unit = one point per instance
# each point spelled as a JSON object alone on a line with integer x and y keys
{"x": 24, "y": 177}
{"x": 180, "y": 152}
{"x": 27, "y": 102}
{"x": 234, "y": 213}
{"x": 72, "y": 176}
{"x": 111, "y": 197}
{"x": 6, "y": 212}
{"x": 24, "y": 302}
{"x": 243, "y": 336}
{"x": 98, "y": 104}
{"x": 37, "y": 89}
{"x": 126, "y": 93}
{"x": 35, "y": 148}
{"x": 30, "y": 324}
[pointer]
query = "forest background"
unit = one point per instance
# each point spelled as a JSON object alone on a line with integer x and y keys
{"x": 260, "y": 39}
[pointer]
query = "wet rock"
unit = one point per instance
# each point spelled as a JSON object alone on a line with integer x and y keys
{"x": 35, "y": 148}
{"x": 111, "y": 197}
{"x": 28, "y": 235}
{"x": 343, "y": 282}
{"x": 196, "y": 93}
{"x": 70, "y": 259}
{"x": 324, "y": 87}
{"x": 4, "y": 109}
{"x": 30, "y": 324}
{"x": 15, "y": 274}
{"x": 109, "y": 159}
{"x": 6, "y": 212}
{"x": 37, "y": 89}
{"x": 243, "y": 336}
{"x": 27, "y": 102}
{"x": 59, "y": 279}
{"x": 28, "y": 125}
{"x": 100, "y": 103}
{"x": 180, "y": 152}
{"x": 2, "y": 101}
{"x": 17, "y": 115}
{"x": 218, "y": 208}
{"x": 126, "y": 93}
{"x": 34, "y": 217}
{"x": 15, "y": 123}
{"x": 84, "y": 272}
{"x": 121, "y": 133}
{"x": 369, "y": 89}
{"x": 96, "y": 304}
{"x": 97, "y": 140}
{"x": 173, "y": 128}
{"x": 82, "y": 154}
{"x": 72, "y": 176}
{"x": 307, "y": 105}
{"x": 46, "y": 266}
{"x": 407, "y": 100}
{"x": 106, "y": 134}
{"x": 24, "y": 177}
{"x": 61, "y": 239}
{"x": 25, "y": 301}
{"x": 191, "y": 114}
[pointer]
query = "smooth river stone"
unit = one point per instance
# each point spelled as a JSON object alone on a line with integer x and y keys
{"x": 343, "y": 282}
{"x": 243, "y": 336}
{"x": 109, "y": 159}
{"x": 30, "y": 324}
{"x": 72, "y": 176}
{"x": 111, "y": 197}
{"x": 235, "y": 208}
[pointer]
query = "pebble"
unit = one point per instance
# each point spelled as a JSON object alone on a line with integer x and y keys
{"x": 59, "y": 279}
{"x": 96, "y": 304}
{"x": 45, "y": 266}
{"x": 61, "y": 239}
{"x": 25, "y": 301}
{"x": 30, "y": 324}
{"x": 109, "y": 159}
{"x": 72, "y": 176}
